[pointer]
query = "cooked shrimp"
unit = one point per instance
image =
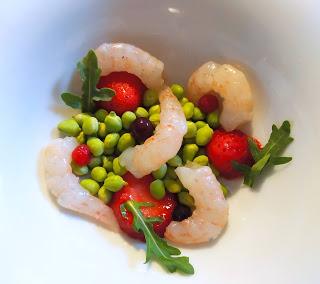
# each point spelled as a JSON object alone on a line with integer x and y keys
{"x": 232, "y": 87}
{"x": 116, "y": 57}
{"x": 211, "y": 213}
{"x": 164, "y": 144}
{"x": 64, "y": 185}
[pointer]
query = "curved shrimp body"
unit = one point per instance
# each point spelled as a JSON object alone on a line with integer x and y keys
{"x": 64, "y": 185}
{"x": 211, "y": 213}
{"x": 232, "y": 87}
{"x": 164, "y": 144}
{"x": 116, "y": 57}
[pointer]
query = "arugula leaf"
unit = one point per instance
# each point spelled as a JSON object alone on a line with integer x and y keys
{"x": 268, "y": 155}
{"x": 90, "y": 75}
{"x": 157, "y": 248}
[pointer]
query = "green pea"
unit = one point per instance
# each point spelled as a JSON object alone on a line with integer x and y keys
{"x": 81, "y": 138}
{"x": 189, "y": 151}
{"x": 99, "y": 174}
{"x": 102, "y": 130}
{"x": 198, "y": 114}
{"x": 79, "y": 170}
{"x": 104, "y": 195}
{"x": 90, "y": 185}
{"x": 80, "y": 117}
{"x": 150, "y": 98}
{"x": 157, "y": 189}
{"x": 110, "y": 174}
{"x": 70, "y": 127}
{"x": 177, "y": 90}
{"x": 117, "y": 168}
{"x": 126, "y": 140}
{"x": 161, "y": 172}
{"x": 90, "y": 125}
{"x": 201, "y": 160}
{"x": 154, "y": 109}
{"x": 127, "y": 118}
{"x": 176, "y": 161}
{"x": 101, "y": 114}
{"x": 188, "y": 109}
{"x": 213, "y": 119}
{"x": 108, "y": 151}
{"x": 114, "y": 183}
{"x": 113, "y": 122}
{"x": 107, "y": 163}
{"x": 172, "y": 185}
{"x": 183, "y": 101}
{"x": 171, "y": 173}
{"x": 95, "y": 162}
{"x": 224, "y": 189}
{"x": 142, "y": 112}
{"x": 155, "y": 119}
{"x": 204, "y": 135}
{"x": 200, "y": 124}
{"x": 189, "y": 141}
{"x": 191, "y": 130}
{"x": 186, "y": 199}
{"x": 111, "y": 140}
{"x": 96, "y": 146}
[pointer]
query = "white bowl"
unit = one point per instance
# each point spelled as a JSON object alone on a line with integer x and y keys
{"x": 273, "y": 232}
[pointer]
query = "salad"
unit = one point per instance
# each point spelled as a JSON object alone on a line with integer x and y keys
{"x": 146, "y": 159}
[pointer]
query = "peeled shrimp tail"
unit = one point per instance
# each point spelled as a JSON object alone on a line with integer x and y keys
{"x": 211, "y": 213}
{"x": 116, "y": 57}
{"x": 64, "y": 185}
{"x": 164, "y": 144}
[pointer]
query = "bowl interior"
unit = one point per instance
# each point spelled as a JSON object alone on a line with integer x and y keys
{"x": 271, "y": 236}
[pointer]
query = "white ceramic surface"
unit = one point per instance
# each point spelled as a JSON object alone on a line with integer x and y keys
{"x": 273, "y": 233}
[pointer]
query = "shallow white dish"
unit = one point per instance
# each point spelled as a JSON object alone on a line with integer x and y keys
{"x": 273, "y": 233}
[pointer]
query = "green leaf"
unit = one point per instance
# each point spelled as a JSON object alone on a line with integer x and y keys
{"x": 104, "y": 94}
{"x": 71, "y": 100}
{"x": 157, "y": 248}
{"x": 268, "y": 156}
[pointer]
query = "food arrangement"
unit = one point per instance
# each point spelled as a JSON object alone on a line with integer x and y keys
{"x": 143, "y": 158}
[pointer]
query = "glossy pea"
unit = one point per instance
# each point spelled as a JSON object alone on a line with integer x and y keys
{"x": 204, "y": 135}
{"x": 90, "y": 185}
{"x": 161, "y": 172}
{"x": 157, "y": 189}
{"x": 200, "y": 124}
{"x": 224, "y": 189}
{"x": 201, "y": 160}
{"x": 177, "y": 90}
{"x": 110, "y": 174}
{"x": 80, "y": 117}
{"x": 188, "y": 109}
{"x": 90, "y": 125}
{"x": 96, "y": 146}
{"x": 127, "y": 118}
{"x": 125, "y": 141}
{"x": 117, "y": 168}
{"x": 154, "y": 109}
{"x": 183, "y": 101}
{"x": 155, "y": 119}
{"x": 79, "y": 170}
{"x": 141, "y": 112}
{"x": 107, "y": 163}
{"x": 171, "y": 173}
{"x": 172, "y": 186}
{"x": 176, "y": 161}
{"x": 69, "y": 127}
{"x": 189, "y": 151}
{"x": 150, "y": 98}
{"x": 81, "y": 138}
{"x": 113, "y": 122}
{"x": 104, "y": 195}
{"x": 101, "y": 114}
{"x": 213, "y": 119}
{"x": 114, "y": 183}
{"x": 102, "y": 130}
{"x": 186, "y": 199}
{"x": 198, "y": 114}
{"x": 111, "y": 140}
{"x": 95, "y": 162}
{"x": 99, "y": 174}
{"x": 191, "y": 130}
